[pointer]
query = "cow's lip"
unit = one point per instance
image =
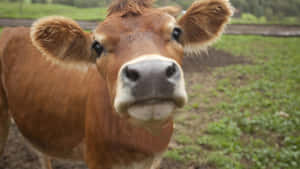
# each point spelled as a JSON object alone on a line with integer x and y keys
{"x": 124, "y": 106}
{"x": 151, "y": 110}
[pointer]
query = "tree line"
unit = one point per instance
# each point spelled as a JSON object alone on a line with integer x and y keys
{"x": 267, "y": 8}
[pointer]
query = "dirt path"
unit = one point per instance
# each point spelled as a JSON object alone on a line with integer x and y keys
{"x": 235, "y": 29}
{"x": 198, "y": 71}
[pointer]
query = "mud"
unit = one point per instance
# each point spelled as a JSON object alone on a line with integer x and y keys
{"x": 211, "y": 59}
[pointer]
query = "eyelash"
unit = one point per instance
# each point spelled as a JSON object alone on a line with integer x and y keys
{"x": 176, "y": 34}
{"x": 98, "y": 47}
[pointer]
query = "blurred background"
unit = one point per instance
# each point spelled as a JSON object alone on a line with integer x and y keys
{"x": 247, "y": 11}
{"x": 244, "y": 91}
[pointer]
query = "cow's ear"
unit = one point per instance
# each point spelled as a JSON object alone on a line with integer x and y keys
{"x": 171, "y": 10}
{"x": 61, "y": 38}
{"x": 203, "y": 23}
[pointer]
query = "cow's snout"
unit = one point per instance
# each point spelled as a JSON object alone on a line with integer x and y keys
{"x": 151, "y": 79}
{"x": 154, "y": 68}
{"x": 150, "y": 88}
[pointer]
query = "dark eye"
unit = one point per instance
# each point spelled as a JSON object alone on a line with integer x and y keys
{"x": 98, "y": 48}
{"x": 176, "y": 34}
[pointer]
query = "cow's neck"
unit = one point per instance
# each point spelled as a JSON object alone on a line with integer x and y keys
{"x": 109, "y": 135}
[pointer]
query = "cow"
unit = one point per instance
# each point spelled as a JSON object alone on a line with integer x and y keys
{"x": 107, "y": 97}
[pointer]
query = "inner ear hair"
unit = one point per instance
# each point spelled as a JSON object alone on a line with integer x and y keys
{"x": 203, "y": 23}
{"x": 61, "y": 38}
{"x": 171, "y": 10}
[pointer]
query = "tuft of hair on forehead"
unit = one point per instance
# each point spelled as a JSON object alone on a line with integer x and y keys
{"x": 129, "y": 7}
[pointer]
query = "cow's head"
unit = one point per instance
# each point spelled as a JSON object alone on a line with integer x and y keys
{"x": 138, "y": 51}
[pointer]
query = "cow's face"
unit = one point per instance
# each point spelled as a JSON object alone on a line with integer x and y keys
{"x": 138, "y": 51}
{"x": 140, "y": 59}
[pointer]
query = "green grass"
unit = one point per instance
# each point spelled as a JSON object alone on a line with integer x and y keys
{"x": 262, "y": 20}
{"x": 262, "y": 125}
{"x": 247, "y": 18}
{"x": 34, "y": 11}
{"x": 255, "y": 122}
{"x": 244, "y": 116}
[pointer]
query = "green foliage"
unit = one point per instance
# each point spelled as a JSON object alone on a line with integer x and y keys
{"x": 263, "y": 123}
{"x": 259, "y": 125}
{"x": 268, "y": 8}
{"x": 34, "y": 11}
{"x": 79, "y": 3}
{"x": 182, "y": 139}
{"x": 173, "y": 154}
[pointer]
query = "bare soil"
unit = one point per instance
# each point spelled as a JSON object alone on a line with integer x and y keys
{"x": 210, "y": 59}
{"x": 235, "y": 29}
{"x": 18, "y": 155}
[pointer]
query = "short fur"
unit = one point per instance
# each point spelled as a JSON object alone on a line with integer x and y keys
{"x": 61, "y": 97}
{"x": 172, "y": 10}
{"x": 129, "y": 7}
{"x": 61, "y": 38}
{"x": 203, "y": 23}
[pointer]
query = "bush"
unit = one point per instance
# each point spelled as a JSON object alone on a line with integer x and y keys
{"x": 86, "y": 4}
{"x": 64, "y": 2}
{"x": 249, "y": 17}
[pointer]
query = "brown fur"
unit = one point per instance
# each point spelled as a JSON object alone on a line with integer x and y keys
{"x": 171, "y": 10}
{"x": 62, "y": 38}
{"x": 125, "y": 7}
{"x": 61, "y": 96}
{"x": 204, "y": 21}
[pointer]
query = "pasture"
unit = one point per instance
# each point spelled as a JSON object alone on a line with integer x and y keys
{"x": 34, "y": 11}
{"x": 241, "y": 115}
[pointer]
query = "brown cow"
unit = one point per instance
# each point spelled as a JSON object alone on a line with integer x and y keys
{"x": 106, "y": 97}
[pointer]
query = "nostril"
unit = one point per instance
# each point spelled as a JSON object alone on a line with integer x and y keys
{"x": 171, "y": 70}
{"x": 132, "y": 74}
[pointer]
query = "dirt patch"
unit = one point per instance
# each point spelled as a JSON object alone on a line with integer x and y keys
{"x": 18, "y": 155}
{"x": 211, "y": 59}
{"x": 234, "y": 29}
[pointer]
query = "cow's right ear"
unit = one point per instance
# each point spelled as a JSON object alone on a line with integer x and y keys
{"x": 62, "y": 38}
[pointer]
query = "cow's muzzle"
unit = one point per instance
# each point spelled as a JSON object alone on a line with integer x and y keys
{"x": 150, "y": 88}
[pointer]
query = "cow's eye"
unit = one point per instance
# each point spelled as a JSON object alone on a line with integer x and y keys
{"x": 176, "y": 34}
{"x": 98, "y": 48}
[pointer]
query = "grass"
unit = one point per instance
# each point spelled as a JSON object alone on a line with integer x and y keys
{"x": 243, "y": 116}
{"x": 262, "y": 20}
{"x": 252, "y": 117}
{"x": 247, "y": 18}
{"x": 34, "y": 11}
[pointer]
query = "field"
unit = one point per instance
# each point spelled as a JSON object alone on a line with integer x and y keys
{"x": 33, "y": 11}
{"x": 243, "y": 111}
{"x": 251, "y": 19}
{"x": 244, "y": 116}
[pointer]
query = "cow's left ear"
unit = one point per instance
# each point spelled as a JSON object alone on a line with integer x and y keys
{"x": 203, "y": 23}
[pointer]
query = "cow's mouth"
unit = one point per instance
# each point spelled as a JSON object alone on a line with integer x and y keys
{"x": 152, "y": 110}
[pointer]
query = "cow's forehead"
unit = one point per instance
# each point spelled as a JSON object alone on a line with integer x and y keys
{"x": 150, "y": 21}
